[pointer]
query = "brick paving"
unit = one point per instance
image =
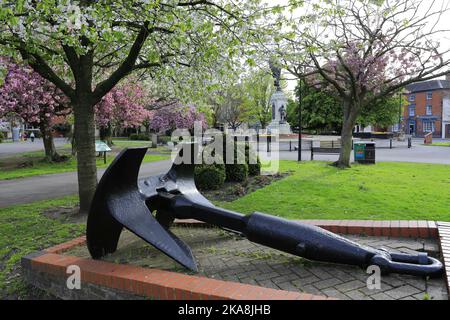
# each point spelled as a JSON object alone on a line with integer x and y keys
{"x": 225, "y": 256}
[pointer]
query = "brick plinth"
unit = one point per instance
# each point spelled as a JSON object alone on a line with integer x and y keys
{"x": 106, "y": 280}
{"x": 143, "y": 282}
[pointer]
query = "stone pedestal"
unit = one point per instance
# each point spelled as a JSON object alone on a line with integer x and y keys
{"x": 279, "y": 124}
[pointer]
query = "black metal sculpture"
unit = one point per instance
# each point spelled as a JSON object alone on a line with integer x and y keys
{"x": 122, "y": 201}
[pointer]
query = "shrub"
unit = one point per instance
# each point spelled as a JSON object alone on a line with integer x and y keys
{"x": 209, "y": 176}
{"x": 164, "y": 139}
{"x": 255, "y": 169}
{"x": 236, "y": 172}
{"x": 1, "y": 137}
{"x": 139, "y": 137}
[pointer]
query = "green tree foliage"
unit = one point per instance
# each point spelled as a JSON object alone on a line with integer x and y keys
{"x": 322, "y": 110}
{"x": 383, "y": 113}
{"x": 259, "y": 87}
{"x": 232, "y": 106}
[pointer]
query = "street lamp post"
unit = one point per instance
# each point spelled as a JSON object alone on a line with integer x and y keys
{"x": 300, "y": 97}
{"x": 400, "y": 114}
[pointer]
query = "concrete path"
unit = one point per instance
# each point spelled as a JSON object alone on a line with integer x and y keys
{"x": 12, "y": 148}
{"x": 418, "y": 153}
{"x": 27, "y": 190}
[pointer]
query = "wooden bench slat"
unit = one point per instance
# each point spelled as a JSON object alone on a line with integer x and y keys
{"x": 327, "y": 147}
{"x": 330, "y": 144}
{"x": 327, "y": 150}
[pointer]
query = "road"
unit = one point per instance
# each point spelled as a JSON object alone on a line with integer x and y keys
{"x": 27, "y": 190}
{"x": 12, "y": 148}
{"x": 418, "y": 154}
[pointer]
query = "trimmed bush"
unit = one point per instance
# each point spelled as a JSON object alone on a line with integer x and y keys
{"x": 236, "y": 172}
{"x": 252, "y": 169}
{"x": 255, "y": 169}
{"x": 209, "y": 176}
{"x": 1, "y": 137}
{"x": 139, "y": 137}
{"x": 164, "y": 139}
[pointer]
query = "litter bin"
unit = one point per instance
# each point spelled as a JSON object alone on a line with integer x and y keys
{"x": 365, "y": 152}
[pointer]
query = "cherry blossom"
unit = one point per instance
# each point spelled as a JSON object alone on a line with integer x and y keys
{"x": 176, "y": 116}
{"x": 123, "y": 106}
{"x": 30, "y": 96}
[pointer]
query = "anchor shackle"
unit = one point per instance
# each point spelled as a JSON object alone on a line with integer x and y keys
{"x": 417, "y": 265}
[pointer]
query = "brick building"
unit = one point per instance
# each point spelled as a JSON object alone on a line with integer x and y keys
{"x": 428, "y": 108}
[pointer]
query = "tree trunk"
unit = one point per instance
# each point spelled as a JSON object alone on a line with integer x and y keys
{"x": 85, "y": 145}
{"x": 349, "y": 121}
{"x": 73, "y": 142}
{"x": 106, "y": 135}
{"x": 49, "y": 145}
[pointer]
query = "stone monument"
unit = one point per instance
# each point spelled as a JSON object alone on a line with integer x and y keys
{"x": 279, "y": 102}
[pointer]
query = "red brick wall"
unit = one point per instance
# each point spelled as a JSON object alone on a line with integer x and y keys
{"x": 421, "y": 103}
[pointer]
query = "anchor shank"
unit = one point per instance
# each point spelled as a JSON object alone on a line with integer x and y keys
{"x": 184, "y": 208}
{"x": 289, "y": 236}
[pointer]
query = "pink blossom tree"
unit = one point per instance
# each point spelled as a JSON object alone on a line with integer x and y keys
{"x": 366, "y": 51}
{"x": 36, "y": 100}
{"x": 176, "y": 116}
{"x": 123, "y": 107}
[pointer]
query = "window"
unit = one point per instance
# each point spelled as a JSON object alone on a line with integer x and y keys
{"x": 428, "y": 126}
{"x": 429, "y": 95}
{"x": 412, "y": 97}
{"x": 412, "y": 110}
{"x": 396, "y": 127}
{"x": 429, "y": 110}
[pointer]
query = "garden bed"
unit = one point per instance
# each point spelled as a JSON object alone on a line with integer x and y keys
{"x": 234, "y": 190}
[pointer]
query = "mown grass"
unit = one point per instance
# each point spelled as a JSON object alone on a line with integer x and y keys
{"x": 36, "y": 165}
{"x": 438, "y": 144}
{"x": 385, "y": 191}
{"x": 131, "y": 143}
{"x": 23, "y": 229}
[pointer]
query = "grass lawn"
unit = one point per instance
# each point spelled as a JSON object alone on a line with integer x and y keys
{"x": 132, "y": 144}
{"x": 35, "y": 165}
{"x": 23, "y": 229}
{"x": 438, "y": 144}
{"x": 385, "y": 191}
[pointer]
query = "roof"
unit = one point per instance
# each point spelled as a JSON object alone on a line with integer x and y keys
{"x": 428, "y": 86}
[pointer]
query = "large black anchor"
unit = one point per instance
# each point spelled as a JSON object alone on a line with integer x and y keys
{"x": 121, "y": 201}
